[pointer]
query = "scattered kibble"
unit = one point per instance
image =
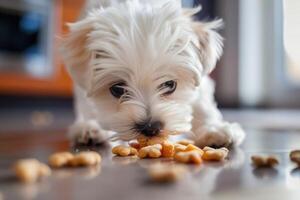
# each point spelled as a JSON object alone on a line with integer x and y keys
{"x": 152, "y": 151}
{"x": 122, "y": 150}
{"x": 192, "y": 156}
{"x": 31, "y": 170}
{"x": 191, "y": 147}
{"x": 147, "y": 141}
{"x": 135, "y": 145}
{"x": 264, "y": 161}
{"x": 167, "y": 149}
{"x": 295, "y": 156}
{"x": 179, "y": 147}
{"x": 211, "y": 154}
{"x": 86, "y": 158}
{"x": 185, "y": 142}
{"x": 67, "y": 159}
{"x": 60, "y": 159}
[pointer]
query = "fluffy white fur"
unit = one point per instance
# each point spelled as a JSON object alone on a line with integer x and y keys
{"x": 144, "y": 44}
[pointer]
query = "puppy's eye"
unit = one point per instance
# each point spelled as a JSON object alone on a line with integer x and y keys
{"x": 169, "y": 87}
{"x": 117, "y": 90}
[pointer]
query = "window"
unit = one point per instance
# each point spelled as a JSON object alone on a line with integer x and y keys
{"x": 291, "y": 34}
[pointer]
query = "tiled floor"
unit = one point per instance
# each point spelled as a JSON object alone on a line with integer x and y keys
{"x": 126, "y": 178}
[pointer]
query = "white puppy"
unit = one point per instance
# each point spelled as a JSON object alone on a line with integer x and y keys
{"x": 140, "y": 67}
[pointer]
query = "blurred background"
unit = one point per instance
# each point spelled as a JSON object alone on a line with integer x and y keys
{"x": 258, "y": 77}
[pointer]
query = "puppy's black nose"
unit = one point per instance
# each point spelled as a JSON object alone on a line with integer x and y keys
{"x": 149, "y": 128}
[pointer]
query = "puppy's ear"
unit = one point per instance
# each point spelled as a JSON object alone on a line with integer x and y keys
{"x": 75, "y": 51}
{"x": 210, "y": 43}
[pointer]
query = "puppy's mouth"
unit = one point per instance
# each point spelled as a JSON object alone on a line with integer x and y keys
{"x": 162, "y": 133}
{"x": 145, "y": 130}
{"x": 152, "y": 129}
{"x": 149, "y": 128}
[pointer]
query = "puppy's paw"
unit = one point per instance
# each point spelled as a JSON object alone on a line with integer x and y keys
{"x": 87, "y": 133}
{"x": 219, "y": 135}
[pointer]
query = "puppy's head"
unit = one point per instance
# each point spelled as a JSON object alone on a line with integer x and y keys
{"x": 140, "y": 65}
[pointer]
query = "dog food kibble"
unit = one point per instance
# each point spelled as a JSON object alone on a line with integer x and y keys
{"x": 135, "y": 145}
{"x": 122, "y": 150}
{"x": 86, "y": 158}
{"x": 60, "y": 159}
{"x": 189, "y": 157}
{"x": 147, "y": 141}
{"x": 166, "y": 173}
{"x": 152, "y": 151}
{"x": 179, "y": 147}
{"x": 167, "y": 149}
{"x": 31, "y": 170}
{"x": 295, "y": 157}
{"x": 191, "y": 147}
{"x": 186, "y": 142}
{"x": 211, "y": 154}
{"x": 264, "y": 161}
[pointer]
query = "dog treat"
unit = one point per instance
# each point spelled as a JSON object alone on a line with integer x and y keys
{"x": 193, "y": 156}
{"x": 185, "y": 142}
{"x": 135, "y": 145}
{"x": 191, "y": 147}
{"x": 179, "y": 147}
{"x": 167, "y": 149}
{"x": 264, "y": 161}
{"x": 166, "y": 173}
{"x": 208, "y": 148}
{"x": 152, "y": 151}
{"x": 86, "y": 158}
{"x": 295, "y": 156}
{"x": 44, "y": 170}
{"x": 60, "y": 159}
{"x": 147, "y": 141}
{"x": 211, "y": 154}
{"x": 31, "y": 170}
{"x": 122, "y": 150}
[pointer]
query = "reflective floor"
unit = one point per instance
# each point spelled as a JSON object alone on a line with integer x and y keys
{"x": 126, "y": 178}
